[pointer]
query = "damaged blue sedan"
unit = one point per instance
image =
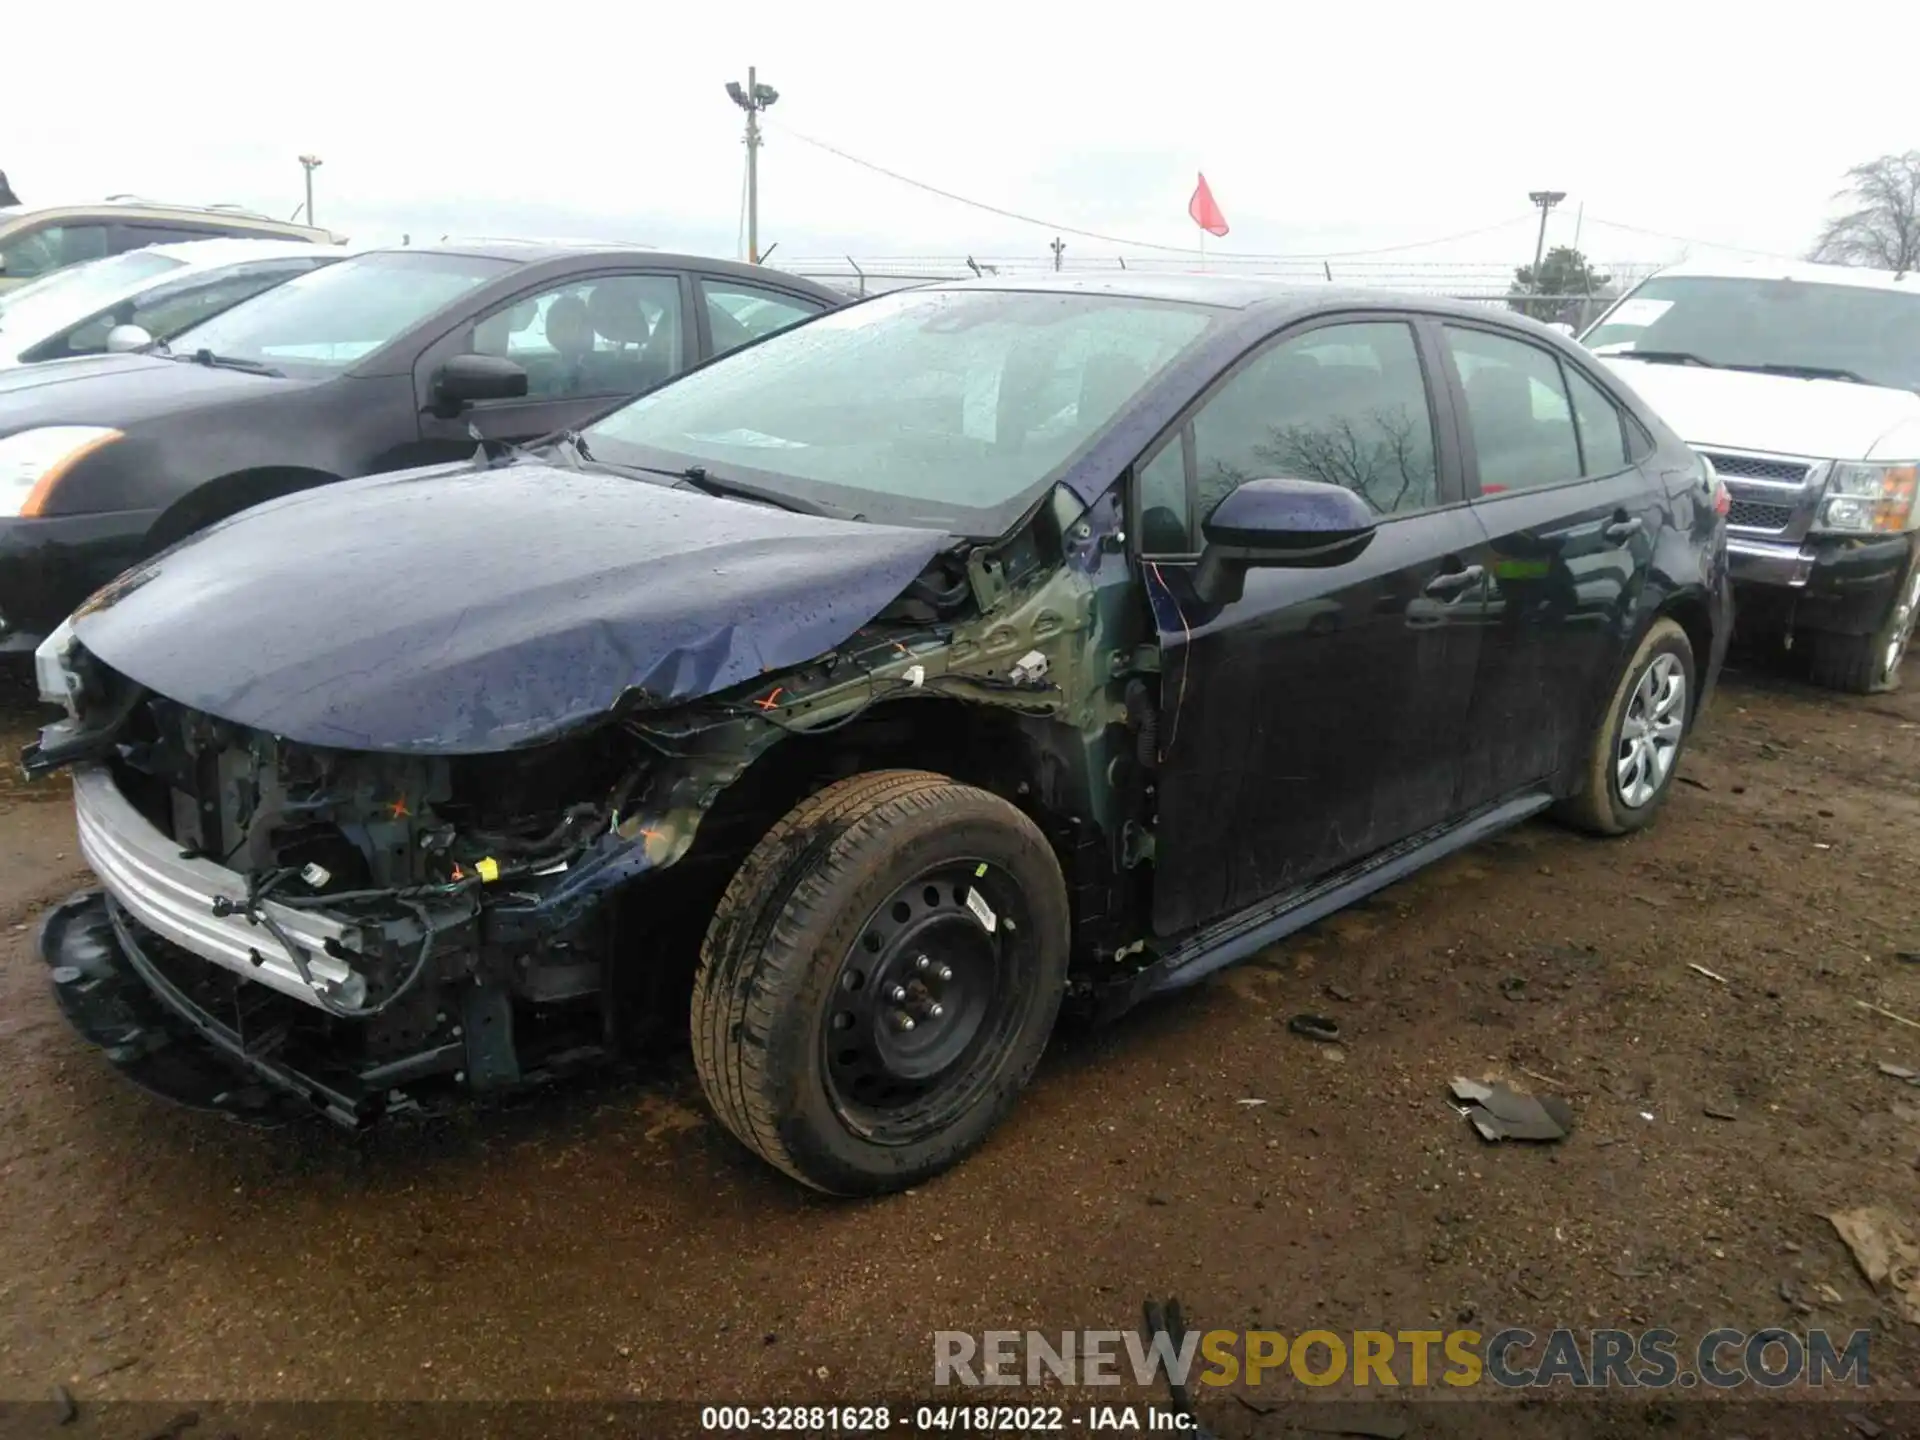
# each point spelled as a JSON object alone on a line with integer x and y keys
{"x": 862, "y": 699}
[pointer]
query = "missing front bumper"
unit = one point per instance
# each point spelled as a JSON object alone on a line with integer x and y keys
{"x": 174, "y": 894}
{"x": 113, "y": 987}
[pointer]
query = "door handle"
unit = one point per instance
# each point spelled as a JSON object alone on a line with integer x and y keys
{"x": 1452, "y": 582}
{"x": 1621, "y": 529}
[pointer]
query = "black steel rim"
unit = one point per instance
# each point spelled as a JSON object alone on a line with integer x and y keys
{"x": 926, "y": 1001}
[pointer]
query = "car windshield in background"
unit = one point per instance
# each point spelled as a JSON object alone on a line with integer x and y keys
{"x": 328, "y": 319}
{"x": 943, "y": 408}
{"x": 1789, "y": 326}
{"x": 77, "y": 291}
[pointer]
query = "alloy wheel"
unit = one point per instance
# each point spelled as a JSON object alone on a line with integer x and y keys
{"x": 1905, "y": 610}
{"x": 1651, "y": 731}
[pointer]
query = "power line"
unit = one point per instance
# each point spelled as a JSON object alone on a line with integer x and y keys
{"x": 1056, "y": 226}
{"x": 1693, "y": 240}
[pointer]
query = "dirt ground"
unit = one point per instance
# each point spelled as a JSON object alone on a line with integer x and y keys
{"x": 614, "y": 1243}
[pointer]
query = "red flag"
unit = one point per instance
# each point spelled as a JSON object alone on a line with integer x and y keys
{"x": 1206, "y": 214}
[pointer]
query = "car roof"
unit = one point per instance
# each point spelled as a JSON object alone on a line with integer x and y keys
{"x": 133, "y": 207}
{"x": 1263, "y": 294}
{"x": 1806, "y": 271}
{"x": 537, "y": 252}
{"x": 237, "y": 249}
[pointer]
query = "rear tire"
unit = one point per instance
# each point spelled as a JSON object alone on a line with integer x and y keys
{"x": 866, "y": 907}
{"x": 1636, "y": 747}
{"x": 1870, "y": 664}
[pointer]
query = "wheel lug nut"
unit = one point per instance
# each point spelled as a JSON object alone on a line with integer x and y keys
{"x": 946, "y": 972}
{"x": 922, "y": 963}
{"x": 936, "y": 1010}
{"x": 898, "y": 993}
{"x": 904, "y": 1022}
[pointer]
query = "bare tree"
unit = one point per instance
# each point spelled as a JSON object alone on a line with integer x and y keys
{"x": 1338, "y": 453}
{"x": 1882, "y": 230}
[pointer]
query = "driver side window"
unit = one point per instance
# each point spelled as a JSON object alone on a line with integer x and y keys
{"x": 610, "y": 335}
{"x": 1345, "y": 404}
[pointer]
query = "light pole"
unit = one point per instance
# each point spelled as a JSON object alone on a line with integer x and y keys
{"x": 1546, "y": 200}
{"x": 309, "y": 163}
{"x": 755, "y": 98}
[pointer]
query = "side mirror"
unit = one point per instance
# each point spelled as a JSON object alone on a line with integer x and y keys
{"x": 1303, "y": 524}
{"x": 466, "y": 379}
{"x": 125, "y": 339}
{"x": 1562, "y": 327}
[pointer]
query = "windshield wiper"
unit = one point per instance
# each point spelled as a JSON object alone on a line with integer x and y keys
{"x": 1661, "y": 357}
{"x": 695, "y": 477}
{"x": 226, "y": 362}
{"x": 1807, "y": 372}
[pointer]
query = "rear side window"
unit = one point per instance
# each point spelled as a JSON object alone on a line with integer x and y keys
{"x": 1603, "y": 444}
{"x": 737, "y": 313}
{"x": 1517, "y": 408}
{"x": 51, "y": 247}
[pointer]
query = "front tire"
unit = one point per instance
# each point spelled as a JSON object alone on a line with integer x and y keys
{"x": 880, "y": 980}
{"x": 1870, "y": 664}
{"x": 1635, "y": 749}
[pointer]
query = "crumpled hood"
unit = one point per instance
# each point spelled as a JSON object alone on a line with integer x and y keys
{"x": 1778, "y": 414}
{"x": 464, "y": 611}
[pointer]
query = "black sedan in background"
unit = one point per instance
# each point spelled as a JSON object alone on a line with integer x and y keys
{"x": 391, "y": 359}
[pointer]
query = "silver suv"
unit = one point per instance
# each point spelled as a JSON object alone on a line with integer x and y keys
{"x": 37, "y": 240}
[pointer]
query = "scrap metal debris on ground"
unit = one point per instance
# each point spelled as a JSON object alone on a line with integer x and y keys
{"x": 1882, "y": 1011}
{"x": 1888, "y": 1254}
{"x": 1316, "y": 1027}
{"x": 1168, "y": 1321}
{"x": 1386, "y": 1427}
{"x": 1500, "y": 1112}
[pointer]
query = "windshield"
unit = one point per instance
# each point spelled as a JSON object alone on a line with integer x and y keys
{"x": 53, "y": 300}
{"x": 943, "y": 408}
{"x": 1792, "y": 325}
{"x": 336, "y": 315}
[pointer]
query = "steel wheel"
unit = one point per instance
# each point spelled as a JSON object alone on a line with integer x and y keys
{"x": 923, "y": 994}
{"x": 1651, "y": 731}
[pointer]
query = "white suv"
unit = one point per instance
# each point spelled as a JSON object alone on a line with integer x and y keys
{"x": 37, "y": 240}
{"x": 1801, "y": 384}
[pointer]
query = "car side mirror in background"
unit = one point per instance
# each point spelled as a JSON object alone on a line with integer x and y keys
{"x": 1561, "y": 326}
{"x": 467, "y": 379}
{"x": 125, "y": 339}
{"x": 1300, "y": 524}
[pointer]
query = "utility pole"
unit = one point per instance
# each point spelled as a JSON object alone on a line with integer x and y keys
{"x": 1059, "y": 248}
{"x": 309, "y": 163}
{"x": 1546, "y": 200}
{"x": 755, "y": 98}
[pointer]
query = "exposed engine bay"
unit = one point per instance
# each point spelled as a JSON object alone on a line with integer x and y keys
{"x": 411, "y": 857}
{"x": 416, "y": 925}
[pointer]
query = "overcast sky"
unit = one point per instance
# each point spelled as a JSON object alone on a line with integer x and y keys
{"x": 1322, "y": 129}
